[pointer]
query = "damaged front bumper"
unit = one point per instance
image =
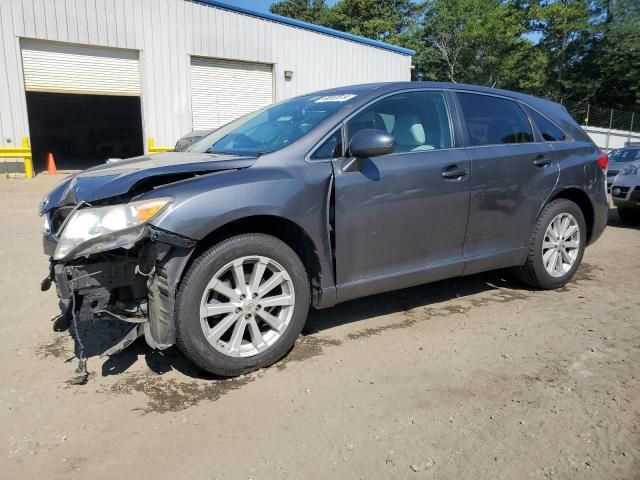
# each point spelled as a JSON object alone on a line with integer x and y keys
{"x": 136, "y": 285}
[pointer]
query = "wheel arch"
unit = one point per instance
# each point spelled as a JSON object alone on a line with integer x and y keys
{"x": 580, "y": 198}
{"x": 279, "y": 227}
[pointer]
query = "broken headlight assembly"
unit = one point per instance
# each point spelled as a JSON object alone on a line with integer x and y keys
{"x": 96, "y": 229}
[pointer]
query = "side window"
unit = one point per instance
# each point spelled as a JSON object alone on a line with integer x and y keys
{"x": 493, "y": 121}
{"x": 331, "y": 148}
{"x": 418, "y": 121}
{"x": 549, "y": 131}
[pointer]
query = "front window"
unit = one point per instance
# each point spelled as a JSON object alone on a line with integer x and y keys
{"x": 272, "y": 128}
{"x": 418, "y": 121}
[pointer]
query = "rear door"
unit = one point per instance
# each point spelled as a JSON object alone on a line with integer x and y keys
{"x": 513, "y": 174}
{"x": 401, "y": 219}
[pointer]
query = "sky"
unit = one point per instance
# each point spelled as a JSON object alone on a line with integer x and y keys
{"x": 258, "y": 5}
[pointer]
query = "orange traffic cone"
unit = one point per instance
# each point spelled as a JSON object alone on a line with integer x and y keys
{"x": 51, "y": 165}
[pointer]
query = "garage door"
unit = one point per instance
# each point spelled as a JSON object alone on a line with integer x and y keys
{"x": 63, "y": 68}
{"x": 223, "y": 90}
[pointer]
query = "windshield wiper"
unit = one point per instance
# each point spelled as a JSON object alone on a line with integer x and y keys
{"x": 238, "y": 154}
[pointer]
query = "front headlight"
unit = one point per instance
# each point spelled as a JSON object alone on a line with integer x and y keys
{"x": 92, "y": 230}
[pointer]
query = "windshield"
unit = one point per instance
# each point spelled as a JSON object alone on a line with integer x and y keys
{"x": 272, "y": 128}
{"x": 625, "y": 155}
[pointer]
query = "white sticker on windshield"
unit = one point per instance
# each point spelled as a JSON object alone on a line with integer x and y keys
{"x": 335, "y": 98}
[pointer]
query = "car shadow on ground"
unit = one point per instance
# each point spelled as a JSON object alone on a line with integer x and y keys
{"x": 427, "y": 295}
{"x": 99, "y": 335}
{"x": 613, "y": 220}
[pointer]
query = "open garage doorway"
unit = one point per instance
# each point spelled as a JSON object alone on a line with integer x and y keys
{"x": 83, "y": 103}
{"x": 83, "y": 130}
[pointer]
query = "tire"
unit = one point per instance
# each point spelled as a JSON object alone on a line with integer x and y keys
{"x": 534, "y": 272}
{"x": 629, "y": 216}
{"x": 227, "y": 356}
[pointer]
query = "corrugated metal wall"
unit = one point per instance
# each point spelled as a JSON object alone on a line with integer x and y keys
{"x": 167, "y": 33}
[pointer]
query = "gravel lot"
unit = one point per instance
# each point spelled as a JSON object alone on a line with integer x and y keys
{"x": 469, "y": 378}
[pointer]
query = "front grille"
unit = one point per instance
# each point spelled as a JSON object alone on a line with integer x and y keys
{"x": 635, "y": 195}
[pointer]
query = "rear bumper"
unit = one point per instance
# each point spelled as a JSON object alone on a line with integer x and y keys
{"x": 600, "y": 204}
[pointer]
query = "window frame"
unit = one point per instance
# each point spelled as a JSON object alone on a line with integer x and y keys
{"x": 452, "y": 111}
{"x": 326, "y": 137}
{"x": 519, "y": 104}
{"x": 527, "y": 107}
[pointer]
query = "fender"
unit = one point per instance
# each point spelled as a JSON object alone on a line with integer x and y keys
{"x": 204, "y": 204}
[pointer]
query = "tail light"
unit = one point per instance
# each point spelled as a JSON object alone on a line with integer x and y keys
{"x": 603, "y": 160}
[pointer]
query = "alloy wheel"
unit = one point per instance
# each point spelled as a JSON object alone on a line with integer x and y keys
{"x": 561, "y": 244}
{"x": 246, "y": 306}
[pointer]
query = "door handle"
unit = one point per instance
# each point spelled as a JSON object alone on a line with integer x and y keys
{"x": 542, "y": 161}
{"x": 453, "y": 172}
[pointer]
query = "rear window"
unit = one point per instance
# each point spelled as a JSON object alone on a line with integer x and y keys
{"x": 549, "y": 131}
{"x": 494, "y": 121}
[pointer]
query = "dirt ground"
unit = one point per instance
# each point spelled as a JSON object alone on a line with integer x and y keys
{"x": 468, "y": 378}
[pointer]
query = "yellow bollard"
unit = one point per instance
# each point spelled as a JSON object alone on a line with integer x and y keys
{"x": 28, "y": 160}
{"x": 20, "y": 152}
{"x": 153, "y": 149}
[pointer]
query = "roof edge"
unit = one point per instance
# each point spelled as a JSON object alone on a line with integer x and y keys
{"x": 308, "y": 26}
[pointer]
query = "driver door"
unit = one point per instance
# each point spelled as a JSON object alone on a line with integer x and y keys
{"x": 400, "y": 219}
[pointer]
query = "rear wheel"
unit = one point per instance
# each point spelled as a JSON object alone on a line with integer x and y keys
{"x": 556, "y": 246}
{"x": 241, "y": 305}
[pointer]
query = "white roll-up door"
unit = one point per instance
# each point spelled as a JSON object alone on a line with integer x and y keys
{"x": 63, "y": 68}
{"x": 223, "y": 90}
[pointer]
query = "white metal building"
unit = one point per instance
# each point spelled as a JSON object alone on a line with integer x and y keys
{"x": 89, "y": 79}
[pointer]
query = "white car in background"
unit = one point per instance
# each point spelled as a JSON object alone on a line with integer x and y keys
{"x": 189, "y": 138}
{"x": 620, "y": 158}
{"x": 625, "y": 193}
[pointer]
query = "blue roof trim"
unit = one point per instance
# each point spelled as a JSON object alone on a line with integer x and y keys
{"x": 308, "y": 26}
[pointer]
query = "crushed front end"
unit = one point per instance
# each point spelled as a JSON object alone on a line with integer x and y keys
{"x": 107, "y": 263}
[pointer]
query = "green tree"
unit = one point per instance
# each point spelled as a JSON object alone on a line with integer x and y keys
{"x": 376, "y": 19}
{"x": 565, "y": 37}
{"x": 614, "y": 59}
{"x": 478, "y": 42}
{"x": 312, "y": 11}
{"x": 562, "y": 49}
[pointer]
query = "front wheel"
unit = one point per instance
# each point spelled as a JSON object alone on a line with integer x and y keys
{"x": 556, "y": 246}
{"x": 241, "y": 305}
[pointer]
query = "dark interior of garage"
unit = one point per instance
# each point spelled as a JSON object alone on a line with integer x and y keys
{"x": 83, "y": 130}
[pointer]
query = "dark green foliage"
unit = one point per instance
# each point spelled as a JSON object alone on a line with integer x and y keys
{"x": 574, "y": 50}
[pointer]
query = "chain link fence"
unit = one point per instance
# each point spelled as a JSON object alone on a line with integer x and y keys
{"x": 608, "y": 128}
{"x": 589, "y": 115}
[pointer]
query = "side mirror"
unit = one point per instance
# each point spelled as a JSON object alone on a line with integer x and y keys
{"x": 371, "y": 143}
{"x": 367, "y": 143}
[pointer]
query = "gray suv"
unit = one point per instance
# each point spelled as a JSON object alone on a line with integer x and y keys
{"x": 321, "y": 199}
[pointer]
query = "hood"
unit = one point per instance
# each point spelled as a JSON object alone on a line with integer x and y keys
{"x": 137, "y": 175}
